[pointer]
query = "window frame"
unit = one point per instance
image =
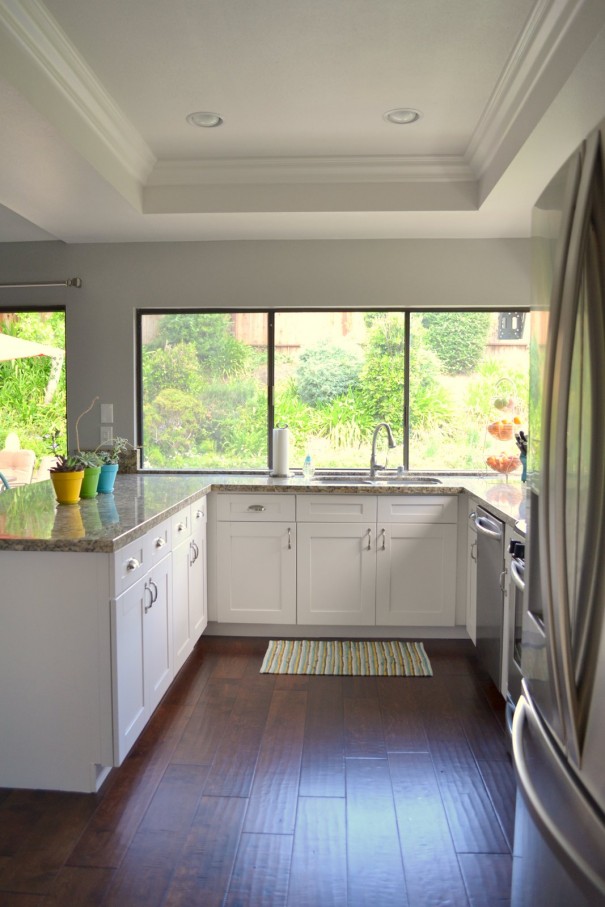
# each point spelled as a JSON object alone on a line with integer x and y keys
{"x": 406, "y": 311}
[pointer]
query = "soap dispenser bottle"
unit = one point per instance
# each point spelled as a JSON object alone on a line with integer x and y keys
{"x": 308, "y": 468}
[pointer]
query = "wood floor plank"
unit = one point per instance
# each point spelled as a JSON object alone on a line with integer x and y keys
{"x": 499, "y": 779}
{"x": 34, "y": 868}
{"x": 204, "y": 867}
{"x": 261, "y": 872}
{"x": 323, "y": 768}
{"x": 432, "y": 872}
{"x": 208, "y": 723}
{"x": 84, "y": 886}
{"x": 318, "y": 874}
{"x": 374, "y": 865}
{"x": 274, "y": 794}
{"x": 232, "y": 769}
{"x": 488, "y": 878}
{"x": 363, "y": 732}
{"x": 473, "y": 821}
{"x": 403, "y": 729}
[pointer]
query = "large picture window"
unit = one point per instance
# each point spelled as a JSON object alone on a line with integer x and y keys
{"x": 214, "y": 384}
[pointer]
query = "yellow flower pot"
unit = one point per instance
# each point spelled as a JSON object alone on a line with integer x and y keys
{"x": 67, "y": 486}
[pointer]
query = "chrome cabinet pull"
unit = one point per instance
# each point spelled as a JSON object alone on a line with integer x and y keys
{"x": 199, "y": 514}
{"x": 289, "y": 539}
{"x": 160, "y": 542}
{"x": 474, "y": 551}
{"x": 503, "y": 581}
{"x": 148, "y": 607}
{"x": 383, "y": 533}
{"x": 369, "y": 548}
{"x": 195, "y": 552}
{"x": 257, "y": 508}
{"x": 132, "y": 564}
{"x": 180, "y": 527}
{"x": 154, "y": 592}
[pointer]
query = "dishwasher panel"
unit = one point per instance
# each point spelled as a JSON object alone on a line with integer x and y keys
{"x": 490, "y": 598}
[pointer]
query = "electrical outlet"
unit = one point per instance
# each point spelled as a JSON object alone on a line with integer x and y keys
{"x": 106, "y": 434}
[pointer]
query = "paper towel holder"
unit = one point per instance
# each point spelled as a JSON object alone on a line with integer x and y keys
{"x": 280, "y": 468}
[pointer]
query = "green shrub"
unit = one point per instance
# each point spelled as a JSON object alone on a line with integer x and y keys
{"x": 458, "y": 338}
{"x": 327, "y": 371}
{"x": 218, "y": 352}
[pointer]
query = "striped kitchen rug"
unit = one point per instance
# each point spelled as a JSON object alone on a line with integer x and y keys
{"x": 390, "y": 658}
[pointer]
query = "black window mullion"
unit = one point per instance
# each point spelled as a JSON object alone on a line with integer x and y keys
{"x": 406, "y": 395}
{"x": 270, "y": 385}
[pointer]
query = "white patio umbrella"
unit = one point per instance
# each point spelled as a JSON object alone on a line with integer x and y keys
{"x": 16, "y": 348}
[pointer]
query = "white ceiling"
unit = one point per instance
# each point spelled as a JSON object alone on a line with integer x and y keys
{"x": 94, "y": 146}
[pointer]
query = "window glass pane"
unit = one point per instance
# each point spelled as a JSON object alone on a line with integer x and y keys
{"x": 468, "y": 390}
{"x": 337, "y": 374}
{"x": 32, "y": 384}
{"x": 204, "y": 389}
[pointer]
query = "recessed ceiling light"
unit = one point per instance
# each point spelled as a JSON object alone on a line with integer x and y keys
{"x": 204, "y": 118}
{"x": 402, "y": 116}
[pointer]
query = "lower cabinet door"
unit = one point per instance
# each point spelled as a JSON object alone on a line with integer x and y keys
{"x": 198, "y": 591}
{"x": 416, "y": 575}
{"x": 256, "y": 572}
{"x": 336, "y": 574}
{"x": 181, "y": 621}
{"x": 142, "y": 654}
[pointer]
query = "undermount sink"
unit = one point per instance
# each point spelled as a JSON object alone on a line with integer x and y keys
{"x": 388, "y": 480}
{"x": 405, "y": 480}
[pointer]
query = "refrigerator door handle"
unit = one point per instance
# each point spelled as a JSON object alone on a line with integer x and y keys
{"x": 549, "y": 407}
{"x": 558, "y": 540}
{"x": 560, "y": 843}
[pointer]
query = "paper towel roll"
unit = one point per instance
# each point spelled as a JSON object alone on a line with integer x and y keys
{"x": 280, "y": 451}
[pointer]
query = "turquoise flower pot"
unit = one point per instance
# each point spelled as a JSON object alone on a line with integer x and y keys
{"x": 107, "y": 478}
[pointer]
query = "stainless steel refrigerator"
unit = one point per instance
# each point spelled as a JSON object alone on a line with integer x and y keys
{"x": 559, "y": 722}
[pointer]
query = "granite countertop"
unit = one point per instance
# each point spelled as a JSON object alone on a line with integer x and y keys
{"x": 31, "y": 520}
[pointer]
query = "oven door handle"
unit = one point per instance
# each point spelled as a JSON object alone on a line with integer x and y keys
{"x": 515, "y": 571}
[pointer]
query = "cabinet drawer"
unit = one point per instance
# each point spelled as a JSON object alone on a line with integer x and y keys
{"x": 181, "y": 525}
{"x": 255, "y": 507}
{"x": 160, "y": 541}
{"x": 130, "y": 563}
{"x": 418, "y": 508}
{"x": 199, "y": 512}
{"x": 336, "y": 508}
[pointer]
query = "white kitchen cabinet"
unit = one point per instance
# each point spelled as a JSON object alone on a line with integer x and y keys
{"x": 141, "y": 653}
{"x": 471, "y": 573}
{"x": 256, "y": 558}
{"x": 256, "y": 572}
{"x": 198, "y": 580}
{"x": 416, "y": 574}
{"x": 188, "y": 580}
{"x": 336, "y": 574}
{"x": 386, "y": 561}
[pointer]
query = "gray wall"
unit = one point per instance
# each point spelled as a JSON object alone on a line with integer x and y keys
{"x": 120, "y": 278}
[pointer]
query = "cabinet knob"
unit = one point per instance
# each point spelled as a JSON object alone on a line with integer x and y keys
{"x": 199, "y": 514}
{"x": 180, "y": 527}
{"x": 132, "y": 564}
{"x": 159, "y": 542}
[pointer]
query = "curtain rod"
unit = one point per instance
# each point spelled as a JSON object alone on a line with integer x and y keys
{"x": 70, "y": 282}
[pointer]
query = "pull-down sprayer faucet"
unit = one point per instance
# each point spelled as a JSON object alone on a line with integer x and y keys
{"x": 373, "y": 464}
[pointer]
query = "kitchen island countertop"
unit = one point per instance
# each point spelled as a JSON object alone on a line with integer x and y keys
{"x": 31, "y": 520}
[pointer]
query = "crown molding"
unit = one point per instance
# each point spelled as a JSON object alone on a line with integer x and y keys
{"x": 36, "y": 34}
{"x": 279, "y": 170}
{"x": 545, "y": 28}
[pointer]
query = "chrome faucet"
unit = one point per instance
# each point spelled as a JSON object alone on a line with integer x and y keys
{"x": 373, "y": 464}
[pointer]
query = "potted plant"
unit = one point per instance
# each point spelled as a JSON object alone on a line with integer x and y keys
{"x": 110, "y": 463}
{"x": 91, "y": 463}
{"x": 67, "y": 475}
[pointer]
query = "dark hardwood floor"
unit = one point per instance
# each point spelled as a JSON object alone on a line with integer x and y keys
{"x": 263, "y": 790}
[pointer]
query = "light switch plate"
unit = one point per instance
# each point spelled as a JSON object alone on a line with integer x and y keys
{"x": 106, "y": 434}
{"x": 106, "y": 412}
